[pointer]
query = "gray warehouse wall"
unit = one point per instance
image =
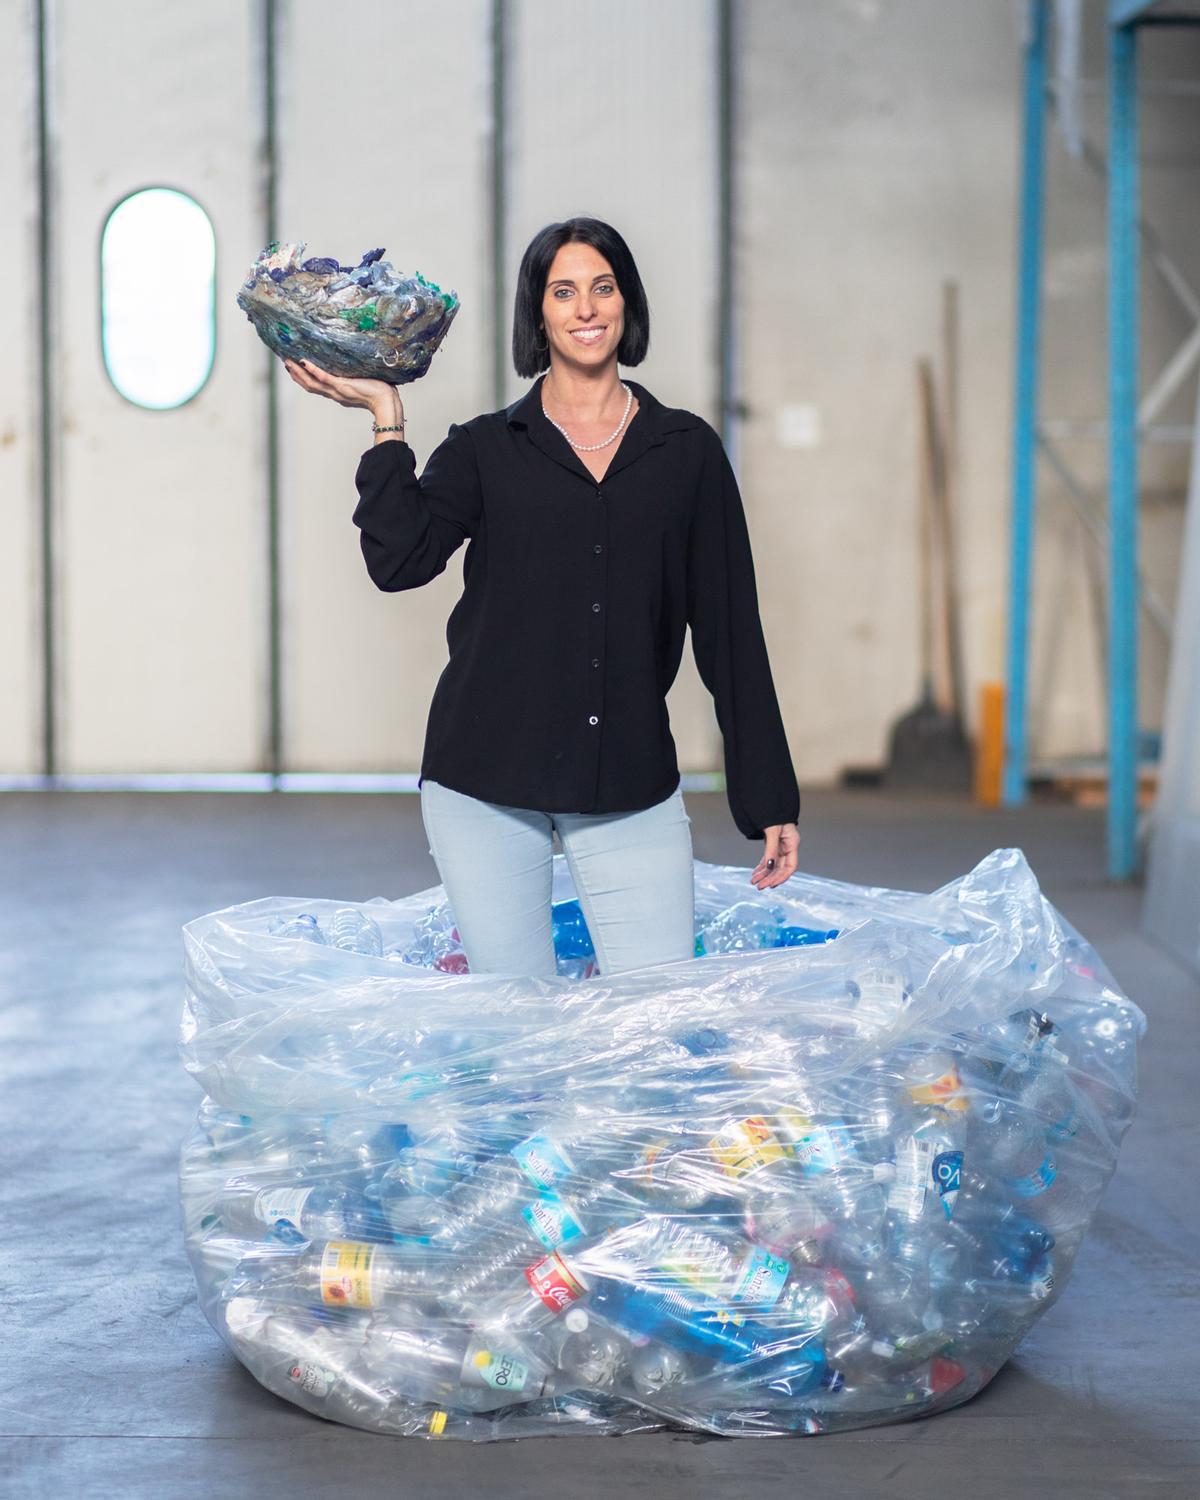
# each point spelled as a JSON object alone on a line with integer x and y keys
{"x": 876, "y": 151}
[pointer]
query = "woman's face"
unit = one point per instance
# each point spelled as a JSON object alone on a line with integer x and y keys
{"x": 582, "y": 294}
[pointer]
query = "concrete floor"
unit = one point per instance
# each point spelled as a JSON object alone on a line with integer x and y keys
{"x": 113, "y": 1383}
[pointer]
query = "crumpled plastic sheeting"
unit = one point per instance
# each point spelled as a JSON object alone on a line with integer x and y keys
{"x": 786, "y": 1189}
{"x": 362, "y": 322}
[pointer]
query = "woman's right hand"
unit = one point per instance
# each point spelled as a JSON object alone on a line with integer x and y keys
{"x": 371, "y": 395}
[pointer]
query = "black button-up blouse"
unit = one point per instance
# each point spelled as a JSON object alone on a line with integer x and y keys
{"x": 570, "y": 628}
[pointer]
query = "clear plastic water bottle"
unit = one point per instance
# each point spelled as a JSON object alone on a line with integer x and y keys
{"x": 913, "y": 1387}
{"x": 456, "y": 1366}
{"x": 503, "y": 1186}
{"x": 670, "y": 1178}
{"x": 927, "y": 1180}
{"x": 421, "y": 1174}
{"x": 708, "y": 1259}
{"x": 304, "y": 926}
{"x": 517, "y": 1300}
{"x": 592, "y": 1356}
{"x": 352, "y": 1150}
{"x": 823, "y": 1145}
{"x": 300, "y": 1356}
{"x": 656, "y": 1370}
{"x": 883, "y": 983}
{"x": 743, "y": 927}
{"x": 789, "y": 1220}
{"x": 341, "y": 1274}
{"x": 695, "y": 1326}
{"x": 816, "y": 1299}
{"x": 294, "y": 1213}
{"x": 895, "y": 1298}
{"x": 875, "y": 1108}
{"x": 354, "y": 931}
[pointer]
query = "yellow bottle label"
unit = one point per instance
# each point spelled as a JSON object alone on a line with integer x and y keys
{"x": 437, "y": 1424}
{"x": 346, "y": 1274}
{"x": 946, "y": 1091}
{"x": 744, "y": 1145}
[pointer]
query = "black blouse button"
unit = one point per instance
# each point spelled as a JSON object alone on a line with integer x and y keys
{"x": 593, "y": 720}
{"x": 595, "y": 661}
{"x": 597, "y": 548}
{"x": 595, "y": 609}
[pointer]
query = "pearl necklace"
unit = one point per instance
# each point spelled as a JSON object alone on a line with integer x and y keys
{"x": 591, "y": 447}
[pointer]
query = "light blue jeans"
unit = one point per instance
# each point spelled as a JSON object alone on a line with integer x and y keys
{"x": 633, "y": 873}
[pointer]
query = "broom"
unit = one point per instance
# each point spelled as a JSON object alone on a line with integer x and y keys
{"x": 928, "y": 747}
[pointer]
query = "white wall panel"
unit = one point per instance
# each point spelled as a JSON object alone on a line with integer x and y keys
{"x": 20, "y": 467}
{"x": 878, "y": 150}
{"x": 384, "y": 141}
{"x": 161, "y": 553}
{"x": 614, "y": 116}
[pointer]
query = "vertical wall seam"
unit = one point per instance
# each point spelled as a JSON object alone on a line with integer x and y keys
{"x": 498, "y": 195}
{"x": 728, "y": 407}
{"x": 275, "y": 752}
{"x": 46, "y": 403}
{"x": 1025, "y": 403}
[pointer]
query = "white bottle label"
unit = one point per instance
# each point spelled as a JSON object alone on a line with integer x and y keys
{"x": 314, "y": 1379}
{"x": 281, "y": 1203}
{"x": 914, "y": 1173}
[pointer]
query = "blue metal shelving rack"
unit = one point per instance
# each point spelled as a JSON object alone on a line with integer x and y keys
{"x": 1124, "y": 20}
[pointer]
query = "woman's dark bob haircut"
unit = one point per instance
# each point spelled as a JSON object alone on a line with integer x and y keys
{"x": 528, "y": 358}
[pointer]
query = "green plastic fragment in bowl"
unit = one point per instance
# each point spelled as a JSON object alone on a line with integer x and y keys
{"x": 363, "y": 322}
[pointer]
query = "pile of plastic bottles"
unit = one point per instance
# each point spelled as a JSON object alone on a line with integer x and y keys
{"x": 824, "y": 1175}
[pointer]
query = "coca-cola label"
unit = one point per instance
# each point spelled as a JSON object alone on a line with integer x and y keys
{"x": 553, "y": 1281}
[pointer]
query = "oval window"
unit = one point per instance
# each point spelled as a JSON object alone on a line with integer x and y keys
{"x": 158, "y": 297}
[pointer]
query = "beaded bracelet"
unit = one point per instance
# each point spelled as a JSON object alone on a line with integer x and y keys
{"x": 374, "y": 428}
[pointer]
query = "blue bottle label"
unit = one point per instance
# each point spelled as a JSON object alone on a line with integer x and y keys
{"x": 1063, "y": 1129}
{"x": 1037, "y": 1181}
{"x": 762, "y": 1279}
{"x": 541, "y": 1161}
{"x": 947, "y": 1178}
{"x": 552, "y": 1220}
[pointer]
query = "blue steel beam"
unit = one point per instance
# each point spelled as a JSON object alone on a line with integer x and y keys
{"x": 1123, "y": 195}
{"x": 1143, "y": 13}
{"x": 1129, "y": 12}
{"x": 1025, "y": 406}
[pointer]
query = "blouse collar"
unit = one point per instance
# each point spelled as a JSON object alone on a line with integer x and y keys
{"x": 647, "y": 428}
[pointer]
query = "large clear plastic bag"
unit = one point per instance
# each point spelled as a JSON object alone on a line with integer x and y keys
{"x": 823, "y": 1175}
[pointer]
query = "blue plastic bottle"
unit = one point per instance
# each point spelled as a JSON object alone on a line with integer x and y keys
{"x": 674, "y": 1318}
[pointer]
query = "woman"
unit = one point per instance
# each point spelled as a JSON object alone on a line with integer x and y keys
{"x": 601, "y": 524}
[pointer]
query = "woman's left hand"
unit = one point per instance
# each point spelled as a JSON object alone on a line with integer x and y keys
{"x": 780, "y": 853}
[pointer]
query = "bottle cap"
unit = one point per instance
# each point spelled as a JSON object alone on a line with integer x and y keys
{"x": 576, "y": 1320}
